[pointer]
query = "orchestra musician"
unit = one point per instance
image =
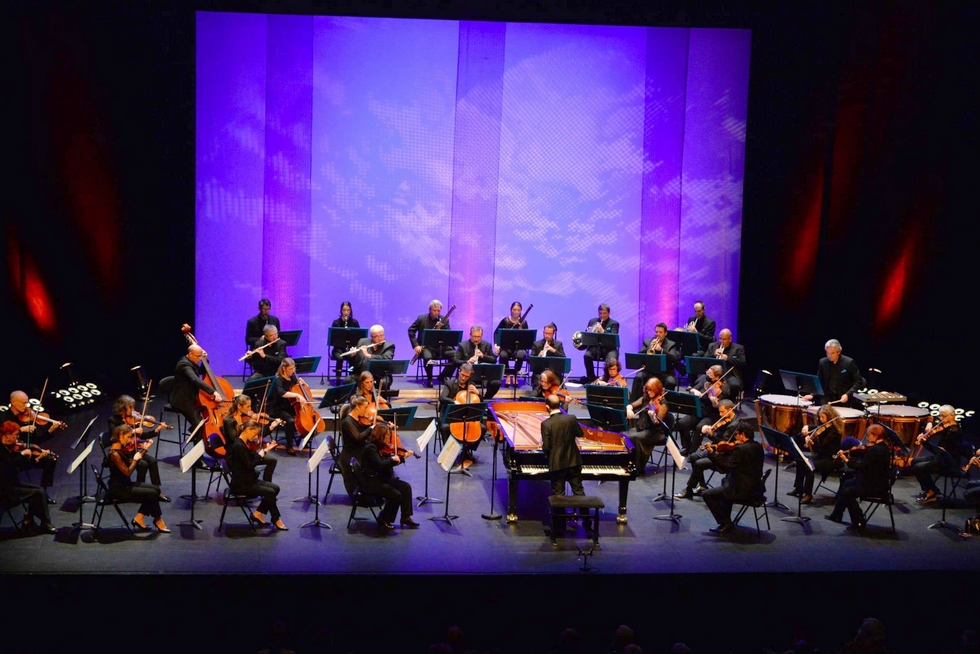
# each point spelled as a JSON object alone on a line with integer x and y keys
{"x": 13, "y": 491}
{"x": 380, "y": 479}
{"x": 365, "y": 389}
{"x": 611, "y": 375}
{"x": 31, "y": 430}
{"x": 255, "y": 324}
{"x": 872, "y": 467}
{"x": 658, "y": 344}
{"x": 231, "y": 429}
{"x": 187, "y": 383}
{"x": 124, "y": 456}
{"x": 242, "y": 462}
{"x": 712, "y": 389}
{"x": 548, "y": 346}
{"x": 546, "y": 385}
{"x": 558, "y": 434}
{"x": 354, "y": 432}
{"x": 267, "y": 353}
{"x": 650, "y": 412}
{"x": 447, "y": 395}
{"x": 701, "y": 324}
{"x": 971, "y": 492}
{"x": 823, "y": 444}
{"x": 281, "y": 401}
{"x": 743, "y": 478}
{"x": 727, "y": 350}
{"x": 946, "y": 435}
{"x": 346, "y": 320}
{"x": 372, "y": 348}
{"x": 839, "y": 376}
{"x": 123, "y": 414}
{"x": 425, "y": 321}
{"x": 721, "y": 431}
{"x": 601, "y": 325}
{"x": 513, "y": 321}
{"x": 476, "y": 350}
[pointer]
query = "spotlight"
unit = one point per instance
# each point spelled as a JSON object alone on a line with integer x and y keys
{"x": 141, "y": 386}
{"x": 76, "y": 395}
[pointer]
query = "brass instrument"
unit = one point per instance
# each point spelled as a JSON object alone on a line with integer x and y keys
{"x": 654, "y": 344}
{"x": 591, "y": 329}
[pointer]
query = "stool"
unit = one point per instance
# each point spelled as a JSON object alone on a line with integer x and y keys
{"x": 583, "y": 506}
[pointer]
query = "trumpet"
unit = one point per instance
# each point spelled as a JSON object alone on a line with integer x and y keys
{"x": 654, "y": 345}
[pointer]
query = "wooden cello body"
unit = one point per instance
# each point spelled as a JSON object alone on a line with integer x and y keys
{"x": 212, "y": 411}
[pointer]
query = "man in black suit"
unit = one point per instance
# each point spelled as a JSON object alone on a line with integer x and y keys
{"x": 372, "y": 348}
{"x": 657, "y": 344}
{"x": 447, "y": 396}
{"x": 187, "y": 382}
{"x": 558, "y": 434}
{"x": 839, "y": 376}
{"x": 476, "y": 350}
{"x": 255, "y": 324}
{"x": 265, "y": 362}
{"x": 727, "y": 350}
{"x": 701, "y": 324}
{"x": 548, "y": 347}
{"x": 429, "y": 321}
{"x": 743, "y": 481}
{"x": 601, "y": 325}
{"x": 872, "y": 477}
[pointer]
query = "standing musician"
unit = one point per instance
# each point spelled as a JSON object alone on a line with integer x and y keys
{"x": 242, "y": 462}
{"x": 701, "y": 324}
{"x": 658, "y": 344}
{"x": 743, "y": 481}
{"x": 187, "y": 383}
{"x": 267, "y": 353}
{"x": 13, "y": 459}
{"x": 475, "y": 351}
{"x": 124, "y": 456}
{"x": 650, "y": 411}
{"x": 727, "y": 350}
{"x": 611, "y": 375}
{"x": 344, "y": 321}
{"x": 281, "y": 402}
{"x": 946, "y": 435}
{"x": 373, "y": 348}
{"x": 231, "y": 429}
{"x": 839, "y": 376}
{"x": 872, "y": 467}
{"x": 354, "y": 432}
{"x": 558, "y": 434}
{"x": 721, "y": 431}
{"x": 255, "y": 324}
{"x": 823, "y": 444}
{"x": 33, "y": 427}
{"x": 123, "y": 414}
{"x": 380, "y": 479}
{"x": 601, "y": 325}
{"x": 546, "y": 385}
{"x": 709, "y": 386}
{"x": 447, "y": 396}
{"x": 431, "y": 320}
{"x": 513, "y": 321}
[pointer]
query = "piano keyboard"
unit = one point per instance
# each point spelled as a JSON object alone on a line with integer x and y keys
{"x": 587, "y": 471}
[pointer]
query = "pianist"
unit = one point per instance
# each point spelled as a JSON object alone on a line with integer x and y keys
{"x": 558, "y": 434}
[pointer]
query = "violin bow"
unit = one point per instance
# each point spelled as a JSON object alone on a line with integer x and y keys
{"x": 40, "y": 402}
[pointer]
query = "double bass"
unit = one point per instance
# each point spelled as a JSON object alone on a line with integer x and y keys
{"x": 213, "y": 411}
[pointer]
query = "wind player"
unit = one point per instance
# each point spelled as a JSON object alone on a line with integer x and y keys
{"x": 727, "y": 350}
{"x": 743, "y": 480}
{"x": 708, "y": 386}
{"x": 267, "y": 353}
{"x": 513, "y": 321}
{"x": 601, "y": 325}
{"x": 255, "y": 324}
{"x": 658, "y": 344}
{"x": 31, "y": 430}
{"x": 650, "y": 412}
{"x": 430, "y": 320}
{"x": 346, "y": 320}
{"x": 372, "y": 348}
{"x": 475, "y": 351}
{"x": 720, "y": 431}
{"x": 549, "y": 346}
{"x": 701, "y": 324}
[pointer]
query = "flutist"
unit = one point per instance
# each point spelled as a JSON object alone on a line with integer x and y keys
{"x": 267, "y": 353}
{"x": 373, "y": 348}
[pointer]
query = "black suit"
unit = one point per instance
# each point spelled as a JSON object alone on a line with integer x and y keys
{"x": 743, "y": 481}
{"x": 705, "y": 327}
{"x": 255, "y": 325}
{"x": 840, "y": 378}
{"x": 242, "y": 463}
{"x": 558, "y": 434}
{"x": 594, "y": 354}
{"x": 423, "y": 322}
{"x": 359, "y": 362}
{"x": 380, "y": 479}
{"x": 187, "y": 383}
{"x": 466, "y": 350}
{"x": 673, "y": 354}
{"x": 736, "y": 357}
{"x": 268, "y": 365}
{"x": 690, "y": 432}
{"x": 872, "y": 478}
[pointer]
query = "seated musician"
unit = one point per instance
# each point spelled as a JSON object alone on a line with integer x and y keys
{"x": 267, "y": 353}
{"x": 871, "y": 464}
{"x": 354, "y": 431}
{"x": 727, "y": 350}
{"x": 721, "y": 431}
{"x": 701, "y": 324}
{"x": 32, "y": 429}
{"x": 971, "y": 493}
{"x": 945, "y": 435}
{"x": 546, "y": 385}
{"x": 231, "y": 429}
{"x": 548, "y": 346}
{"x": 282, "y": 400}
{"x": 839, "y": 376}
{"x": 244, "y": 456}
{"x": 124, "y": 456}
{"x": 346, "y": 320}
{"x": 743, "y": 478}
{"x": 475, "y": 351}
{"x": 255, "y": 324}
{"x": 658, "y": 344}
{"x": 711, "y": 389}
{"x": 372, "y": 348}
{"x": 601, "y": 325}
{"x": 650, "y": 412}
{"x": 187, "y": 384}
{"x": 459, "y": 390}
{"x": 13, "y": 491}
{"x": 123, "y": 414}
{"x": 558, "y": 434}
{"x": 431, "y": 320}
{"x": 823, "y": 444}
{"x": 611, "y": 375}
{"x": 366, "y": 389}
{"x": 380, "y": 479}
{"x": 513, "y": 321}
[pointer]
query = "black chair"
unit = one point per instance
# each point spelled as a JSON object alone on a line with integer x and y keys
{"x": 887, "y": 499}
{"x": 5, "y": 509}
{"x": 166, "y": 386}
{"x": 359, "y": 498}
{"x": 242, "y": 501}
{"x": 334, "y": 464}
{"x": 756, "y": 503}
{"x": 104, "y": 498}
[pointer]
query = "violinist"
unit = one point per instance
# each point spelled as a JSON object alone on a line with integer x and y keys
{"x": 728, "y": 350}
{"x": 712, "y": 389}
{"x": 431, "y": 320}
{"x": 546, "y": 385}
{"x": 742, "y": 464}
{"x": 475, "y": 351}
{"x": 231, "y": 428}
{"x": 373, "y": 348}
{"x": 658, "y": 344}
{"x": 187, "y": 383}
{"x": 267, "y": 353}
{"x": 380, "y": 479}
{"x": 459, "y": 391}
{"x": 122, "y": 460}
{"x": 944, "y": 434}
{"x": 242, "y": 462}
{"x": 354, "y": 431}
{"x": 13, "y": 491}
{"x": 255, "y": 324}
{"x": 513, "y": 321}
{"x": 282, "y": 401}
{"x": 32, "y": 429}
{"x": 601, "y": 325}
{"x": 971, "y": 492}
{"x": 123, "y": 413}
{"x": 611, "y": 375}
{"x": 650, "y": 412}
{"x": 872, "y": 466}
{"x": 345, "y": 320}
{"x": 721, "y": 431}
{"x": 823, "y": 443}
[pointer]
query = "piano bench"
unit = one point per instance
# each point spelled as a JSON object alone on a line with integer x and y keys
{"x": 585, "y": 507}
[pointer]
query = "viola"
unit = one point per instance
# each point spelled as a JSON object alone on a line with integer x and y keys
{"x": 32, "y": 416}
{"x": 149, "y": 422}
{"x": 393, "y": 446}
{"x": 38, "y": 452}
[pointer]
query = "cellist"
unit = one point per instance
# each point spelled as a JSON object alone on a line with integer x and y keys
{"x": 281, "y": 404}
{"x": 459, "y": 390}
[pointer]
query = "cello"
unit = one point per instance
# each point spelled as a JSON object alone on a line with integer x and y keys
{"x": 467, "y": 432}
{"x": 212, "y": 410}
{"x": 307, "y": 418}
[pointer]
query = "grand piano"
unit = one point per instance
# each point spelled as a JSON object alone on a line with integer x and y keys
{"x": 606, "y": 456}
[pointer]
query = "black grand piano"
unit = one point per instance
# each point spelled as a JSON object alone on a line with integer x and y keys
{"x": 606, "y": 456}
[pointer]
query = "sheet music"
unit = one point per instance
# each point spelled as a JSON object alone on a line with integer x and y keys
{"x": 199, "y": 425}
{"x": 321, "y": 452}
{"x": 423, "y": 440}
{"x": 81, "y": 457}
{"x": 193, "y": 454}
{"x": 306, "y": 440}
{"x": 806, "y": 459}
{"x": 675, "y": 454}
{"x": 449, "y": 454}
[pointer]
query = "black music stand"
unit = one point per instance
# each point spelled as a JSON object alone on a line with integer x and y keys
{"x": 801, "y": 383}
{"x": 897, "y": 445}
{"x": 465, "y": 414}
{"x": 437, "y": 340}
{"x": 561, "y": 366}
{"x": 513, "y": 340}
{"x": 291, "y": 337}
{"x": 487, "y": 372}
{"x": 259, "y": 390}
{"x": 306, "y": 365}
{"x": 384, "y": 368}
{"x": 652, "y": 364}
{"x": 690, "y": 342}
{"x": 402, "y": 416}
{"x": 314, "y": 462}
{"x": 607, "y": 418}
{"x": 342, "y": 339}
{"x": 83, "y": 495}
{"x": 686, "y": 403}
{"x": 697, "y": 366}
{"x": 671, "y": 446}
{"x": 781, "y": 442}
{"x": 616, "y": 397}
{"x": 604, "y": 341}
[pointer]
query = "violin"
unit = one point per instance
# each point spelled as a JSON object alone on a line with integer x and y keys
{"x": 137, "y": 444}
{"x": 136, "y": 419}
{"x": 38, "y": 452}
{"x": 945, "y": 423}
{"x": 32, "y": 416}
{"x": 813, "y": 438}
{"x": 393, "y": 446}
{"x": 843, "y": 454}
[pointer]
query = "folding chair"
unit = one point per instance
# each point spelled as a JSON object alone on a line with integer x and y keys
{"x": 103, "y": 498}
{"x": 242, "y": 501}
{"x": 888, "y": 499}
{"x": 359, "y": 498}
{"x": 758, "y": 502}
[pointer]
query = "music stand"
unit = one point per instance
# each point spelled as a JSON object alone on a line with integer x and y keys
{"x": 259, "y": 390}
{"x": 697, "y": 366}
{"x": 607, "y": 418}
{"x": 187, "y": 462}
{"x": 686, "y": 403}
{"x": 306, "y": 364}
{"x": 383, "y": 368}
{"x": 800, "y": 382}
{"x": 314, "y": 463}
{"x": 423, "y": 443}
{"x": 402, "y": 416}
{"x": 333, "y": 399}
{"x": 514, "y": 340}
{"x": 898, "y": 445}
{"x": 437, "y": 340}
{"x": 679, "y": 463}
{"x": 342, "y": 339}
{"x": 291, "y": 337}
{"x": 488, "y": 372}
{"x": 611, "y": 396}
{"x": 652, "y": 364}
{"x": 561, "y": 366}
{"x": 690, "y": 342}
{"x": 604, "y": 341}
{"x": 82, "y": 484}
{"x": 781, "y": 442}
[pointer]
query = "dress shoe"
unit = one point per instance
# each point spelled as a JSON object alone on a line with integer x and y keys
{"x": 685, "y": 495}
{"x": 139, "y": 525}
{"x": 806, "y": 499}
{"x": 587, "y": 526}
{"x": 258, "y": 519}
{"x": 409, "y": 523}
{"x": 839, "y": 521}
{"x": 280, "y": 526}
{"x": 385, "y": 525}
{"x": 47, "y": 528}
{"x": 796, "y": 492}
{"x": 161, "y": 526}
{"x": 51, "y": 501}
{"x": 163, "y": 498}
{"x": 722, "y": 529}
{"x": 699, "y": 489}
{"x": 928, "y": 499}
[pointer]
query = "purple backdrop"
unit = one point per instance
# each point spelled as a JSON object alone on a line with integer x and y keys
{"x": 390, "y": 161}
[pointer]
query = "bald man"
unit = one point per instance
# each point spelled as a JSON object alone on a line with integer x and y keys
{"x": 728, "y": 350}
{"x": 187, "y": 382}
